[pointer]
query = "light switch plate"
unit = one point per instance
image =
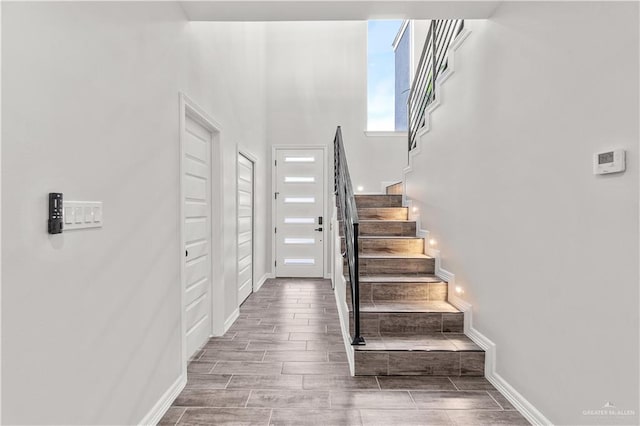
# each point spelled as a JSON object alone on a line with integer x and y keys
{"x": 86, "y": 214}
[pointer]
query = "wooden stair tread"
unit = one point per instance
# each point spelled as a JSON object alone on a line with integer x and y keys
{"x": 393, "y": 256}
{"x": 383, "y": 213}
{"x": 386, "y": 237}
{"x": 407, "y": 306}
{"x": 383, "y": 221}
{"x": 384, "y": 208}
{"x": 434, "y": 342}
{"x": 399, "y": 279}
{"x": 387, "y": 220}
{"x": 378, "y": 200}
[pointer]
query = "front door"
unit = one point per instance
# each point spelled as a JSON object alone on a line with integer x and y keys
{"x": 299, "y": 202}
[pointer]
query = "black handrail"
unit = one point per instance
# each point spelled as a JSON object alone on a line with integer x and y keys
{"x": 348, "y": 214}
{"x": 433, "y": 62}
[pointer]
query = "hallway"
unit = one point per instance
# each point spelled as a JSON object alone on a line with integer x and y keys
{"x": 283, "y": 362}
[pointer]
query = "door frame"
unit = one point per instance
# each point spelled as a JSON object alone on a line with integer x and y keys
{"x": 325, "y": 200}
{"x": 188, "y": 108}
{"x": 246, "y": 154}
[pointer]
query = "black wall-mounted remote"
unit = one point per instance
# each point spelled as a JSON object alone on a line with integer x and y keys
{"x": 55, "y": 213}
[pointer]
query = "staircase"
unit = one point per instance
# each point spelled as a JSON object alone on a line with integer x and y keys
{"x": 405, "y": 319}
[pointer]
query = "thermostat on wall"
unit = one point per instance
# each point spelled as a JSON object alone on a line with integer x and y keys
{"x": 608, "y": 162}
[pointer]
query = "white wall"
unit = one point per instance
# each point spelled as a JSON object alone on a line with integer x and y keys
{"x": 419, "y": 32}
{"x": 227, "y": 77}
{"x": 547, "y": 253}
{"x": 91, "y": 110}
{"x": 91, "y": 319}
{"x": 316, "y": 80}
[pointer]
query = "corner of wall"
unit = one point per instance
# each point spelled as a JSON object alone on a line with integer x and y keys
{"x": 232, "y": 318}
{"x": 154, "y": 415}
{"x": 531, "y": 413}
{"x": 523, "y": 406}
{"x": 261, "y": 281}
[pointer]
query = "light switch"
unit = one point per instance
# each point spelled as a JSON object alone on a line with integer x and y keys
{"x": 78, "y": 214}
{"x": 68, "y": 215}
{"x": 97, "y": 213}
{"x": 82, "y": 214}
{"x": 88, "y": 214}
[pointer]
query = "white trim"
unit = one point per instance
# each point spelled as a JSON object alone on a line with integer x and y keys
{"x": 339, "y": 285}
{"x": 262, "y": 280}
{"x": 332, "y": 258}
{"x": 527, "y": 409}
{"x": 0, "y": 218}
{"x": 253, "y": 161}
{"x": 344, "y": 326}
{"x": 438, "y": 92}
{"x": 399, "y": 34}
{"x": 160, "y": 408}
{"x": 413, "y": 58}
{"x": 247, "y": 154}
{"x": 385, "y": 134}
{"x": 189, "y": 108}
{"x": 326, "y": 185}
{"x": 531, "y": 413}
{"x": 408, "y": 203}
{"x": 232, "y": 318}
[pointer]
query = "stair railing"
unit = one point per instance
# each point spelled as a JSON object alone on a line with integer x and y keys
{"x": 433, "y": 62}
{"x": 348, "y": 214}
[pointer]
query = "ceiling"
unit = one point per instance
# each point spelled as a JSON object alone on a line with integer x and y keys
{"x": 334, "y": 10}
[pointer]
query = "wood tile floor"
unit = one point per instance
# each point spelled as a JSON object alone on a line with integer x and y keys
{"x": 283, "y": 362}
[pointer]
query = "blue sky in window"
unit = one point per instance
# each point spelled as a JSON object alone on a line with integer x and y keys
{"x": 381, "y": 74}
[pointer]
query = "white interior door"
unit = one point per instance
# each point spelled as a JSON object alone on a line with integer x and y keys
{"x": 299, "y": 206}
{"x": 196, "y": 169}
{"x": 245, "y": 227}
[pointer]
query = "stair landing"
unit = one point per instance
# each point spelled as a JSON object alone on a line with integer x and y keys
{"x": 436, "y": 354}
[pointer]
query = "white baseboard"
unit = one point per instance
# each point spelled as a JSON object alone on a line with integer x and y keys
{"x": 531, "y": 413}
{"x": 343, "y": 313}
{"x": 339, "y": 292}
{"x": 232, "y": 318}
{"x": 528, "y": 411}
{"x": 154, "y": 416}
{"x": 262, "y": 280}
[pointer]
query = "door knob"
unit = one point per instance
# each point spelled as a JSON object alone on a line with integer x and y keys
{"x": 318, "y": 229}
